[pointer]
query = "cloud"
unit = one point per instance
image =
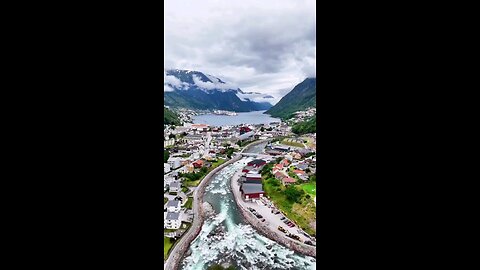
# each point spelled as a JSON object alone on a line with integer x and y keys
{"x": 258, "y": 46}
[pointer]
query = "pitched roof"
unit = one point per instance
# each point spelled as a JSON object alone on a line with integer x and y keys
{"x": 175, "y": 184}
{"x": 173, "y": 203}
{"x": 173, "y": 215}
{"x": 289, "y": 180}
{"x": 298, "y": 172}
{"x": 252, "y": 188}
{"x": 256, "y": 162}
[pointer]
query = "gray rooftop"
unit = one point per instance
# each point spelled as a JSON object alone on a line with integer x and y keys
{"x": 252, "y": 188}
{"x": 173, "y": 215}
{"x": 173, "y": 203}
{"x": 175, "y": 184}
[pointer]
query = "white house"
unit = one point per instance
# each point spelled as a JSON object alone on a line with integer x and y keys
{"x": 166, "y": 168}
{"x": 174, "y": 162}
{"x": 175, "y": 186}
{"x": 173, "y": 206}
{"x": 171, "y": 220}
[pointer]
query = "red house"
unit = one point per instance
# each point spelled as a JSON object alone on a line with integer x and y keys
{"x": 254, "y": 176}
{"x": 288, "y": 180}
{"x": 257, "y": 163}
{"x": 198, "y": 163}
{"x": 252, "y": 191}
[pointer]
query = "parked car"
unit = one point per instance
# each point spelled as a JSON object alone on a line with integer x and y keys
{"x": 259, "y": 216}
{"x": 308, "y": 242}
{"x": 280, "y": 228}
{"x": 282, "y": 218}
{"x": 263, "y": 220}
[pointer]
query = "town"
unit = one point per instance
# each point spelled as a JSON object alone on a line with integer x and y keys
{"x": 278, "y": 186}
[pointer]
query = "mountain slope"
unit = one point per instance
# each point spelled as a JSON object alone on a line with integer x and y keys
{"x": 196, "y": 90}
{"x": 170, "y": 118}
{"x": 301, "y": 97}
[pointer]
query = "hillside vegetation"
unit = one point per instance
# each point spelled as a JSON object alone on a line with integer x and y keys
{"x": 309, "y": 126}
{"x": 170, "y": 118}
{"x": 300, "y": 98}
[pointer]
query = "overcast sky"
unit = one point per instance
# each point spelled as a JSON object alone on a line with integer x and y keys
{"x": 266, "y": 46}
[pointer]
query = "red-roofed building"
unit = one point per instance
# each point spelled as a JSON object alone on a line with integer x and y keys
{"x": 288, "y": 180}
{"x": 198, "y": 163}
{"x": 285, "y": 162}
{"x": 279, "y": 175}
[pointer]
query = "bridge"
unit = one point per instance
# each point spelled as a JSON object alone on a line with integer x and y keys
{"x": 263, "y": 156}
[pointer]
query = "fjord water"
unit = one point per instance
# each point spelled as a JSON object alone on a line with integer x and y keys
{"x": 256, "y": 117}
{"x": 235, "y": 242}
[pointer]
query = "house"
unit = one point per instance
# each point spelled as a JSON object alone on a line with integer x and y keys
{"x": 257, "y": 163}
{"x": 199, "y": 127}
{"x": 189, "y": 168}
{"x": 296, "y": 155}
{"x": 251, "y": 191}
{"x": 301, "y": 174}
{"x": 285, "y": 162}
{"x": 302, "y": 166}
{"x": 281, "y": 148}
{"x": 173, "y": 206}
{"x": 288, "y": 180}
{"x": 244, "y": 130}
{"x": 175, "y": 186}
{"x": 198, "y": 164}
{"x": 174, "y": 162}
{"x": 280, "y": 175}
{"x": 171, "y": 220}
{"x": 166, "y": 168}
{"x": 254, "y": 177}
{"x": 248, "y": 169}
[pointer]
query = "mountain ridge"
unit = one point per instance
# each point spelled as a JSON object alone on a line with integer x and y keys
{"x": 301, "y": 97}
{"x": 197, "y": 90}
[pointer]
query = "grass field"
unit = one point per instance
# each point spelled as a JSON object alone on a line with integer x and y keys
{"x": 310, "y": 188}
{"x": 303, "y": 213}
{"x": 197, "y": 182}
{"x": 288, "y": 142}
{"x": 189, "y": 203}
{"x": 167, "y": 245}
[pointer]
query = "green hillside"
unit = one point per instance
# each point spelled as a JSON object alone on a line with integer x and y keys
{"x": 170, "y": 118}
{"x": 301, "y": 97}
{"x": 309, "y": 126}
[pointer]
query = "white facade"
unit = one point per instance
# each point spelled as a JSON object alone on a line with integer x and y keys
{"x": 166, "y": 168}
{"x": 171, "y": 220}
{"x": 173, "y": 206}
{"x": 174, "y": 162}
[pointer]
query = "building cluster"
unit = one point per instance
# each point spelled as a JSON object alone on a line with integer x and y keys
{"x": 304, "y": 115}
{"x": 291, "y": 166}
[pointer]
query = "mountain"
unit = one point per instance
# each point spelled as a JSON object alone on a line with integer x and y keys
{"x": 170, "y": 118}
{"x": 301, "y": 97}
{"x": 196, "y": 90}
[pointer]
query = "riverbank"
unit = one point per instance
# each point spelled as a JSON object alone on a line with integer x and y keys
{"x": 263, "y": 229}
{"x": 181, "y": 247}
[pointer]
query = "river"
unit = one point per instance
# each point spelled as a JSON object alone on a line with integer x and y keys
{"x": 227, "y": 238}
{"x": 256, "y": 117}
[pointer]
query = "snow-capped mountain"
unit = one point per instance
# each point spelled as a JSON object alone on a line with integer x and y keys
{"x": 196, "y": 90}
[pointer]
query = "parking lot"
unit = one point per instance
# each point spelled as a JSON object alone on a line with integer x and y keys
{"x": 273, "y": 221}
